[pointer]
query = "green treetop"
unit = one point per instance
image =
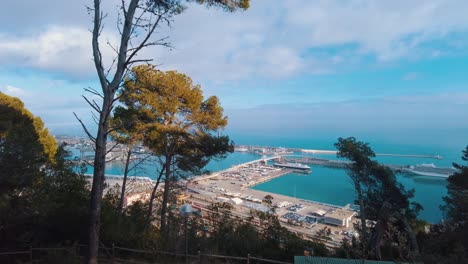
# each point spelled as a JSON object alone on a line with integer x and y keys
{"x": 179, "y": 123}
{"x": 456, "y": 200}
{"x": 25, "y": 144}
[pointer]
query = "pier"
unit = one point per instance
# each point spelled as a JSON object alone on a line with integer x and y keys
{"x": 421, "y": 170}
{"x": 294, "y": 155}
{"x": 268, "y": 150}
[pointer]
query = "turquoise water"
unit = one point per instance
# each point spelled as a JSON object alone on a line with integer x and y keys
{"x": 151, "y": 169}
{"x": 331, "y": 185}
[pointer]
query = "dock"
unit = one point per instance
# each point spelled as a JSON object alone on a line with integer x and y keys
{"x": 428, "y": 170}
{"x": 268, "y": 150}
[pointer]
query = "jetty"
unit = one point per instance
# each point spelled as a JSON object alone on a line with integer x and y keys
{"x": 268, "y": 150}
{"x": 293, "y": 155}
{"x": 429, "y": 170}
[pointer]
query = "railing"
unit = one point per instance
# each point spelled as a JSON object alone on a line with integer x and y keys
{"x": 120, "y": 255}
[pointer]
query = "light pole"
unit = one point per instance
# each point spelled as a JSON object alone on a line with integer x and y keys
{"x": 185, "y": 211}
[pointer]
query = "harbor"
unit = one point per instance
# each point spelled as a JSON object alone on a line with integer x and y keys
{"x": 240, "y": 186}
{"x": 280, "y": 155}
{"x": 269, "y": 150}
{"x": 302, "y": 156}
{"x": 300, "y": 216}
{"x": 326, "y": 173}
{"x": 425, "y": 169}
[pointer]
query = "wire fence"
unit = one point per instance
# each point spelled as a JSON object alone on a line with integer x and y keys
{"x": 120, "y": 255}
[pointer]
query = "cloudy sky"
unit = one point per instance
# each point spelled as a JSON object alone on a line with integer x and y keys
{"x": 337, "y": 67}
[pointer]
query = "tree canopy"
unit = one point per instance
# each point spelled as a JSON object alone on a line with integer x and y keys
{"x": 137, "y": 22}
{"x": 25, "y": 144}
{"x": 381, "y": 199}
{"x": 456, "y": 201}
{"x": 179, "y": 125}
{"x": 178, "y": 121}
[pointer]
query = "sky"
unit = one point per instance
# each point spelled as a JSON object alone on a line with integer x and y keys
{"x": 395, "y": 70}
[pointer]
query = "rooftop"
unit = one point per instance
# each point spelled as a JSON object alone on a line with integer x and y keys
{"x": 340, "y": 214}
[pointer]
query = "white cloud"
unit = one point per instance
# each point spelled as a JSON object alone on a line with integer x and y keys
{"x": 277, "y": 40}
{"x": 388, "y": 29}
{"x": 58, "y": 49}
{"x": 13, "y": 91}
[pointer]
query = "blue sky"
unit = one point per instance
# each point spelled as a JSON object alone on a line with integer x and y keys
{"x": 398, "y": 69}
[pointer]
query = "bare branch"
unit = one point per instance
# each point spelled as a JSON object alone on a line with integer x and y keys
{"x": 140, "y": 161}
{"x": 108, "y": 111}
{"x": 93, "y": 139}
{"x": 88, "y": 163}
{"x": 122, "y": 55}
{"x": 111, "y": 66}
{"x": 117, "y": 98}
{"x": 123, "y": 8}
{"x": 95, "y": 42}
{"x": 95, "y": 118}
{"x": 112, "y": 148}
{"x": 138, "y": 19}
{"x": 142, "y": 60}
{"x": 145, "y": 40}
{"x": 93, "y": 104}
{"x": 93, "y": 91}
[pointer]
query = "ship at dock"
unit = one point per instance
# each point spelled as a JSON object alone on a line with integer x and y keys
{"x": 429, "y": 169}
{"x": 293, "y": 165}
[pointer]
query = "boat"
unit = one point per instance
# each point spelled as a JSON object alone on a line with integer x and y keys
{"x": 241, "y": 149}
{"x": 291, "y": 165}
{"x": 429, "y": 169}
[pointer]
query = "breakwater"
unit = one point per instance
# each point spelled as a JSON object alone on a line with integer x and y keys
{"x": 421, "y": 170}
{"x": 268, "y": 150}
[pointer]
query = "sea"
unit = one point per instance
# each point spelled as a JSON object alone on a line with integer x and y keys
{"x": 332, "y": 185}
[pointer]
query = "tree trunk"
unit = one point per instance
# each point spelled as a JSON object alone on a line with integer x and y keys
{"x": 124, "y": 183}
{"x": 108, "y": 91}
{"x": 165, "y": 194}
{"x": 380, "y": 227}
{"x": 98, "y": 178}
{"x": 410, "y": 234}
{"x": 362, "y": 215}
{"x": 153, "y": 194}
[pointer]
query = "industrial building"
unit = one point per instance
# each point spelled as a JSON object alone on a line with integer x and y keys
{"x": 339, "y": 217}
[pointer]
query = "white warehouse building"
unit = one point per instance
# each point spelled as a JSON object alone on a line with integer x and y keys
{"x": 339, "y": 217}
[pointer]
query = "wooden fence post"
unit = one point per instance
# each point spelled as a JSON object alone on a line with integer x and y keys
{"x": 30, "y": 254}
{"x": 113, "y": 253}
{"x": 76, "y": 250}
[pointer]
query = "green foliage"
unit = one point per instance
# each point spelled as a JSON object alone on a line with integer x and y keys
{"x": 51, "y": 210}
{"x": 228, "y": 235}
{"x": 228, "y": 5}
{"x": 176, "y": 121}
{"x": 356, "y": 151}
{"x": 444, "y": 244}
{"x": 456, "y": 202}
{"x": 127, "y": 230}
{"x": 25, "y": 145}
{"x": 448, "y": 242}
{"x": 196, "y": 153}
{"x": 383, "y": 199}
{"x": 127, "y": 128}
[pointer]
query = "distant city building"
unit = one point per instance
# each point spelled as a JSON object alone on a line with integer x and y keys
{"x": 339, "y": 217}
{"x": 236, "y": 201}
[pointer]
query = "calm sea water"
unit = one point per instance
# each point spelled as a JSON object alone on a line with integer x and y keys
{"x": 332, "y": 186}
{"x": 329, "y": 185}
